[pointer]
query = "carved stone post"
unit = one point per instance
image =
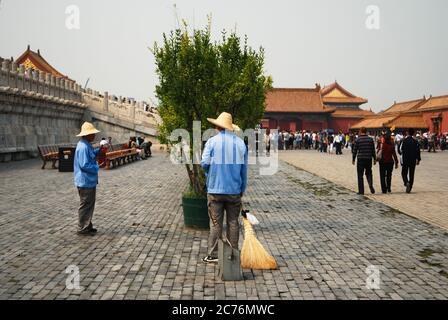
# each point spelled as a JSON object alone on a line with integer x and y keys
{"x": 41, "y": 86}
{"x": 5, "y": 73}
{"x": 132, "y": 112}
{"x": 21, "y": 78}
{"x": 106, "y": 101}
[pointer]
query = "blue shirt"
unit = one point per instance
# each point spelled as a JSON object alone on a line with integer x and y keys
{"x": 225, "y": 164}
{"x": 85, "y": 165}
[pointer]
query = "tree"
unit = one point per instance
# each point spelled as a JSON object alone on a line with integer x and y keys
{"x": 199, "y": 78}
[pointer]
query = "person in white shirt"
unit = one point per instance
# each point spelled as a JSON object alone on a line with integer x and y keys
{"x": 338, "y": 143}
{"x": 398, "y": 138}
{"x": 274, "y": 140}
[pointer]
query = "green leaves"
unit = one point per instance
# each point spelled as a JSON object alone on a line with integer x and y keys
{"x": 199, "y": 78}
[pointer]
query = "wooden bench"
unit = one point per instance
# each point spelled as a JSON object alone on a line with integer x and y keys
{"x": 119, "y": 157}
{"x": 49, "y": 153}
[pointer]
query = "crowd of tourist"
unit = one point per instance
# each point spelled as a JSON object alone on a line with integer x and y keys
{"x": 326, "y": 141}
{"x": 388, "y": 148}
{"x": 142, "y": 147}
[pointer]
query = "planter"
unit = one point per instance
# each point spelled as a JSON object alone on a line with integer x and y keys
{"x": 195, "y": 213}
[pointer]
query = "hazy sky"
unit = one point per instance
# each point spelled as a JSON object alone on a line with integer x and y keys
{"x": 305, "y": 41}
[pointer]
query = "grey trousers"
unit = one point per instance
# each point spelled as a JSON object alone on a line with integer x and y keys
{"x": 86, "y": 207}
{"x": 217, "y": 203}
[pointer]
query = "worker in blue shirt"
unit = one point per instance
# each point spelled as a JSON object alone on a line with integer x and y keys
{"x": 224, "y": 161}
{"x": 86, "y": 177}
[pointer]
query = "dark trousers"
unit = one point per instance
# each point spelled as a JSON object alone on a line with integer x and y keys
{"x": 217, "y": 204}
{"x": 338, "y": 148}
{"x": 386, "y": 176}
{"x": 364, "y": 166}
{"x": 407, "y": 173}
{"x": 432, "y": 146}
{"x": 86, "y": 207}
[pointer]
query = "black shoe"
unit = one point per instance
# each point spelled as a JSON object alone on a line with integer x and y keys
{"x": 210, "y": 259}
{"x": 408, "y": 188}
{"x": 360, "y": 193}
{"x": 93, "y": 230}
{"x": 86, "y": 233}
{"x": 372, "y": 190}
{"x": 389, "y": 190}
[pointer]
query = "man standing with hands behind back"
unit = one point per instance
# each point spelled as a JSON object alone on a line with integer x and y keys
{"x": 364, "y": 150}
{"x": 86, "y": 177}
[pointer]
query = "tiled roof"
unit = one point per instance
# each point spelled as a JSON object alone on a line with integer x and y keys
{"x": 435, "y": 103}
{"x": 349, "y": 100}
{"x": 388, "y": 121}
{"x": 295, "y": 100}
{"x": 39, "y": 63}
{"x": 335, "y": 93}
{"x": 351, "y": 113}
{"x": 404, "y": 106}
{"x": 408, "y": 121}
{"x": 373, "y": 122}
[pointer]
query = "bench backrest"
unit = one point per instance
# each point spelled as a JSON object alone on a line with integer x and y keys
{"x": 50, "y": 148}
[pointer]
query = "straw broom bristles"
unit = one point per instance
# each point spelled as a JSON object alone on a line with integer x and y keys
{"x": 253, "y": 255}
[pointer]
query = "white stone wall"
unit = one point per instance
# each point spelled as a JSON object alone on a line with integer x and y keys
{"x": 27, "y": 121}
{"x": 37, "y": 108}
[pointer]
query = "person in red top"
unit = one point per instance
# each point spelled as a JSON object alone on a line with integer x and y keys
{"x": 388, "y": 157}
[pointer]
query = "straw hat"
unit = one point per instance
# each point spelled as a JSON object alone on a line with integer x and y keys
{"x": 87, "y": 129}
{"x": 224, "y": 120}
{"x": 236, "y": 128}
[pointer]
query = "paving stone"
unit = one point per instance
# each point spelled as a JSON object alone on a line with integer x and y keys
{"x": 322, "y": 235}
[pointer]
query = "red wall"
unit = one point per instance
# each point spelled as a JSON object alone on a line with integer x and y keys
{"x": 342, "y": 124}
{"x": 314, "y": 125}
{"x": 427, "y": 116}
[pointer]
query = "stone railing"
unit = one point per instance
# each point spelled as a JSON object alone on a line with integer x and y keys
{"x": 19, "y": 78}
{"x": 121, "y": 108}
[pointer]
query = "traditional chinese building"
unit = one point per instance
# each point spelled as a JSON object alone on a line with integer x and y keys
{"x": 35, "y": 61}
{"x": 332, "y": 107}
{"x": 435, "y": 113}
{"x": 420, "y": 114}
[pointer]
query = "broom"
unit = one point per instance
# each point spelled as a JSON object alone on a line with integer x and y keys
{"x": 253, "y": 255}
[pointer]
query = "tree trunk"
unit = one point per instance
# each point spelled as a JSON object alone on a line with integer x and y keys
{"x": 197, "y": 179}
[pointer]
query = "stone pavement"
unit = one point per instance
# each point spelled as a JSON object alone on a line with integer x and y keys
{"x": 322, "y": 235}
{"x": 427, "y": 202}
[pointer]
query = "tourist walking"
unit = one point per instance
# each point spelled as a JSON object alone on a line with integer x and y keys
{"x": 364, "y": 152}
{"x": 224, "y": 161}
{"x": 330, "y": 140}
{"x": 432, "y": 142}
{"x": 86, "y": 177}
{"x": 410, "y": 157}
{"x": 338, "y": 143}
{"x": 387, "y": 158}
{"x": 280, "y": 140}
{"x": 267, "y": 141}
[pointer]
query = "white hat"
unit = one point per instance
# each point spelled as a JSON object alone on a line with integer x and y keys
{"x": 87, "y": 129}
{"x": 224, "y": 120}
